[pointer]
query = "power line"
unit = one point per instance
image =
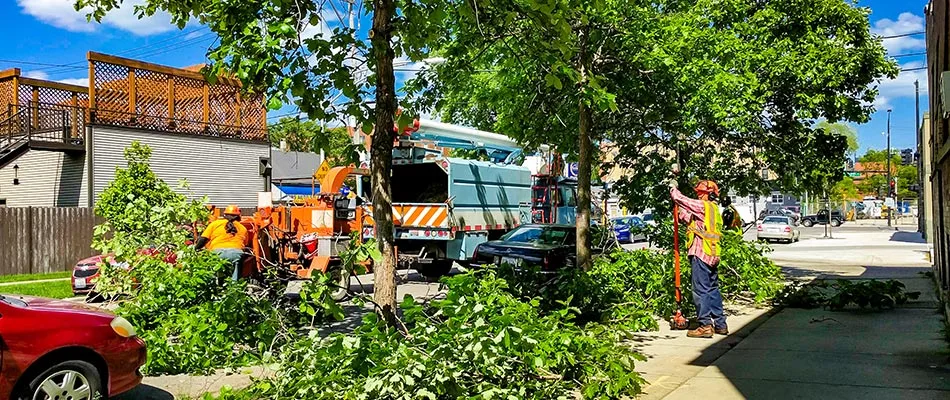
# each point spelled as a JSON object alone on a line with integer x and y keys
{"x": 39, "y": 64}
{"x": 913, "y": 69}
{"x": 923, "y": 53}
{"x": 903, "y": 35}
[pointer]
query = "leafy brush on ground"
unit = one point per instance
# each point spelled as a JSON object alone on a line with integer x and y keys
{"x": 192, "y": 316}
{"x": 842, "y": 293}
{"x": 630, "y": 289}
{"x": 479, "y": 342}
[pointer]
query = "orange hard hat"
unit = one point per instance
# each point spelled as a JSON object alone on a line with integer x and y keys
{"x": 707, "y": 187}
{"x": 232, "y": 210}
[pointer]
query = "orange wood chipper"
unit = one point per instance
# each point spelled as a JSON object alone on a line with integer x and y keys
{"x": 298, "y": 240}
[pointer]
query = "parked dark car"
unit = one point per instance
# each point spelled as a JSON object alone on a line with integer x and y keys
{"x": 57, "y": 349}
{"x": 547, "y": 246}
{"x": 822, "y": 218}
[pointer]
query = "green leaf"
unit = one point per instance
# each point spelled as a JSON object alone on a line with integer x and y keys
{"x": 552, "y": 81}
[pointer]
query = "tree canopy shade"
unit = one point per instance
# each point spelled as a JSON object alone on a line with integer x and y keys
{"x": 284, "y": 48}
{"x": 733, "y": 84}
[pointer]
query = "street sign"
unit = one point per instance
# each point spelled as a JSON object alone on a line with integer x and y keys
{"x": 322, "y": 171}
{"x": 572, "y": 170}
{"x": 854, "y": 174}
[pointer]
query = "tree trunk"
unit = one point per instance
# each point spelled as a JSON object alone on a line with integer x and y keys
{"x": 381, "y": 156}
{"x": 584, "y": 258}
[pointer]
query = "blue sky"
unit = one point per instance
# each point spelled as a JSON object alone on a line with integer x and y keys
{"x": 51, "y": 32}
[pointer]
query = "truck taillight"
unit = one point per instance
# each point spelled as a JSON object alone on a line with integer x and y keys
{"x": 788, "y": 229}
{"x": 545, "y": 263}
{"x": 759, "y": 228}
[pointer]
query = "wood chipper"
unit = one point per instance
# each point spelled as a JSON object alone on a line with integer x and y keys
{"x": 299, "y": 240}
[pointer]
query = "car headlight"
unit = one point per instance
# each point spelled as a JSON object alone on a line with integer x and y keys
{"x": 122, "y": 327}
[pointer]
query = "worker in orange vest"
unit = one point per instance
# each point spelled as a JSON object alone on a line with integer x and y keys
{"x": 226, "y": 237}
{"x": 705, "y": 231}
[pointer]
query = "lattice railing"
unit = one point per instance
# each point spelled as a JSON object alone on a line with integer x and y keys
{"x": 136, "y": 94}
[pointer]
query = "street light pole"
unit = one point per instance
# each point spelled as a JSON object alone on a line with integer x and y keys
{"x": 890, "y": 210}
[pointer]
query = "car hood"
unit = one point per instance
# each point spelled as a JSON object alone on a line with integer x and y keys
{"x": 519, "y": 245}
{"x": 46, "y": 304}
{"x": 90, "y": 260}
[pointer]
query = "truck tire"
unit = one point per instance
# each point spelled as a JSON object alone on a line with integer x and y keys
{"x": 835, "y": 222}
{"x": 436, "y": 269}
{"x": 76, "y": 379}
{"x": 808, "y": 223}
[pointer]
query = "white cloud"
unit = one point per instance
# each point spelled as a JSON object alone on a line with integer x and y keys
{"x": 75, "y": 81}
{"x": 902, "y": 86}
{"x": 194, "y": 34}
{"x": 906, "y": 23}
{"x": 37, "y": 75}
{"x": 61, "y": 14}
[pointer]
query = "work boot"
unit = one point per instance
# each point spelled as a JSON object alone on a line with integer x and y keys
{"x": 722, "y": 331}
{"x": 705, "y": 331}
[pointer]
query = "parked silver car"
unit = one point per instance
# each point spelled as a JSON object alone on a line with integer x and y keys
{"x": 776, "y": 228}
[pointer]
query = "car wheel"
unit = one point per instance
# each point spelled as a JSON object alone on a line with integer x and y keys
{"x": 436, "y": 269}
{"x": 341, "y": 282}
{"x": 76, "y": 380}
{"x": 835, "y": 223}
{"x": 808, "y": 223}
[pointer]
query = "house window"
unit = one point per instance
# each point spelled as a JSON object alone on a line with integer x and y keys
{"x": 778, "y": 198}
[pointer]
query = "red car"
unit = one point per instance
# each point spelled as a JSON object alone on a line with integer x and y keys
{"x": 87, "y": 270}
{"x": 56, "y": 349}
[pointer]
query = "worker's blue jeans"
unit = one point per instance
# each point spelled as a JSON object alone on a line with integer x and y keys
{"x": 234, "y": 257}
{"x": 706, "y": 294}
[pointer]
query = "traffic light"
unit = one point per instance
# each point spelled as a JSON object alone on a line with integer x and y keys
{"x": 893, "y": 190}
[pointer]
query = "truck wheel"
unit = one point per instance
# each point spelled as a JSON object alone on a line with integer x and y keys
{"x": 436, "y": 269}
{"x": 78, "y": 380}
{"x": 808, "y": 223}
{"x": 835, "y": 223}
{"x": 341, "y": 282}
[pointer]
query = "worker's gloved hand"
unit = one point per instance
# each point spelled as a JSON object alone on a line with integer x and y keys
{"x": 671, "y": 183}
{"x": 676, "y": 168}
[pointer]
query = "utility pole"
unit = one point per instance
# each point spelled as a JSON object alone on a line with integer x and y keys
{"x": 890, "y": 210}
{"x": 920, "y": 169}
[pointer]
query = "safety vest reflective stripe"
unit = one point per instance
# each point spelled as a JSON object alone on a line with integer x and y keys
{"x": 713, "y": 232}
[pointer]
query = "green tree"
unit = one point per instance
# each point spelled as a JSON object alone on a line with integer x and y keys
{"x": 285, "y": 49}
{"x": 712, "y": 79}
{"x": 880, "y": 156}
{"x": 843, "y": 130}
{"x": 906, "y": 176}
{"x": 312, "y": 137}
{"x": 873, "y": 185}
{"x": 845, "y": 190}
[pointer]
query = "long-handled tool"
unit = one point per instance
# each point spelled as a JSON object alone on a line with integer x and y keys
{"x": 679, "y": 321}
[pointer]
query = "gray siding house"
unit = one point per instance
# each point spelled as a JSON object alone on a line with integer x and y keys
{"x": 60, "y": 144}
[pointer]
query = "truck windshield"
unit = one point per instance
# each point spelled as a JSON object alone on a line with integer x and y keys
{"x": 537, "y": 234}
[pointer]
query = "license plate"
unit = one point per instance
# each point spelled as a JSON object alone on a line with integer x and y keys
{"x": 80, "y": 283}
{"x": 774, "y": 230}
{"x": 514, "y": 262}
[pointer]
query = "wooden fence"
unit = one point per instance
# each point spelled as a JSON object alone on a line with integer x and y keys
{"x": 44, "y": 239}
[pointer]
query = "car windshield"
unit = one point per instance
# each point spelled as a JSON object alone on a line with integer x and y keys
{"x": 13, "y": 301}
{"x": 775, "y": 220}
{"x": 648, "y": 217}
{"x": 537, "y": 234}
{"x": 621, "y": 221}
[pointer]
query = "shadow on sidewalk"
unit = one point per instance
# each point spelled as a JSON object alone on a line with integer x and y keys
{"x": 145, "y": 392}
{"x": 816, "y": 353}
{"x": 908, "y": 237}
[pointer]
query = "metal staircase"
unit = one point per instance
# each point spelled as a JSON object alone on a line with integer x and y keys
{"x": 41, "y": 127}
